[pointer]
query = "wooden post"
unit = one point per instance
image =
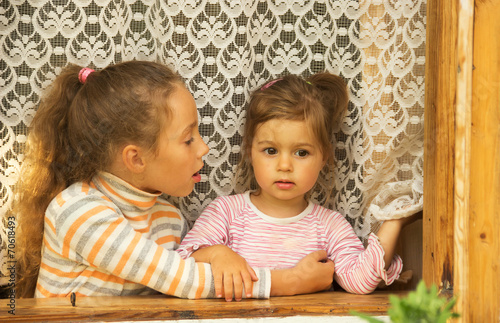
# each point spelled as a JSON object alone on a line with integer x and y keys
{"x": 462, "y": 155}
{"x": 482, "y": 296}
{"x": 440, "y": 82}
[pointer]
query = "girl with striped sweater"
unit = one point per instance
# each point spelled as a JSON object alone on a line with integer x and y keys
{"x": 287, "y": 142}
{"x": 104, "y": 146}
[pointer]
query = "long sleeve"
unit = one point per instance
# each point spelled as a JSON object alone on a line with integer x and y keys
{"x": 357, "y": 270}
{"x": 210, "y": 229}
{"x": 91, "y": 248}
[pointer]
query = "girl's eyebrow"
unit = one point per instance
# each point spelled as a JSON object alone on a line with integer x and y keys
{"x": 189, "y": 128}
{"x": 184, "y": 132}
{"x": 299, "y": 144}
{"x": 269, "y": 142}
{"x": 305, "y": 144}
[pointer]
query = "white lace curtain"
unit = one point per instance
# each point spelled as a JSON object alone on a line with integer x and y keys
{"x": 224, "y": 49}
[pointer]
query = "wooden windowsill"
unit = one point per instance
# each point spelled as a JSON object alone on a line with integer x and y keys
{"x": 160, "y": 307}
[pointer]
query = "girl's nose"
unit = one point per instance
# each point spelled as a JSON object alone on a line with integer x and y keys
{"x": 203, "y": 149}
{"x": 284, "y": 163}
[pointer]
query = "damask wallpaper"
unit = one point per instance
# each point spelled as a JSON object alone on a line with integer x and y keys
{"x": 225, "y": 49}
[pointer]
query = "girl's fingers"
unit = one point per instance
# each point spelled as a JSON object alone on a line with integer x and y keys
{"x": 238, "y": 287}
{"x": 248, "y": 280}
{"x": 228, "y": 287}
{"x": 252, "y": 273}
{"x": 319, "y": 255}
{"x": 329, "y": 261}
{"x": 219, "y": 288}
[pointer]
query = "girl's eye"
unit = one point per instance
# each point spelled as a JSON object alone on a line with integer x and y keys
{"x": 271, "y": 151}
{"x": 302, "y": 153}
{"x": 189, "y": 141}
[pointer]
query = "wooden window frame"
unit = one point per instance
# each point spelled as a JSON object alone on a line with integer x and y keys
{"x": 462, "y": 155}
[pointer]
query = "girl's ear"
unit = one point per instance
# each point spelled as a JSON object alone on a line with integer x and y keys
{"x": 133, "y": 159}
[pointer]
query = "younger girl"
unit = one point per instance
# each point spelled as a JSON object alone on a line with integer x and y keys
{"x": 103, "y": 147}
{"x": 286, "y": 143}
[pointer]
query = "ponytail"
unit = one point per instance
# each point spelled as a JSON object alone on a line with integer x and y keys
{"x": 42, "y": 176}
{"x": 334, "y": 95}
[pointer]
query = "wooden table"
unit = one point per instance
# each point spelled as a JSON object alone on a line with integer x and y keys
{"x": 160, "y": 307}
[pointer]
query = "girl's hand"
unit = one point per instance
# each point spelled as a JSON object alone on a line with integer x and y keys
{"x": 231, "y": 271}
{"x": 312, "y": 274}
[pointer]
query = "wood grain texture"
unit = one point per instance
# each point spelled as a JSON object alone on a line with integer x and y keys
{"x": 463, "y": 144}
{"x": 484, "y": 226}
{"x": 440, "y": 94}
{"x": 463, "y": 155}
{"x": 91, "y": 309}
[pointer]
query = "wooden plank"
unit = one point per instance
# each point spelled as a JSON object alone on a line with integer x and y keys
{"x": 484, "y": 228}
{"x": 160, "y": 307}
{"x": 463, "y": 156}
{"x": 440, "y": 89}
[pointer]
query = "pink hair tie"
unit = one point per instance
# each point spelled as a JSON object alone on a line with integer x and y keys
{"x": 265, "y": 86}
{"x": 84, "y": 73}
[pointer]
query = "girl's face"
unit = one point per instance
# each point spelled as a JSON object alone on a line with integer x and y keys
{"x": 175, "y": 169}
{"x": 286, "y": 160}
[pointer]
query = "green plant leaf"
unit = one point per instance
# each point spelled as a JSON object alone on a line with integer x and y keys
{"x": 424, "y": 305}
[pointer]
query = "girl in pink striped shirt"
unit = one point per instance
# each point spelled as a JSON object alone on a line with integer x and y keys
{"x": 287, "y": 142}
{"x": 104, "y": 146}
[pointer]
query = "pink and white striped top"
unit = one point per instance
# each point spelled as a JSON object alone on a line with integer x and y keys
{"x": 275, "y": 243}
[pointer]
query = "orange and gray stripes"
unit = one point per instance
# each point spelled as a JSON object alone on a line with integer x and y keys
{"x": 108, "y": 238}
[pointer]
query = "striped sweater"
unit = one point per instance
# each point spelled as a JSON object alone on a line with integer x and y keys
{"x": 266, "y": 241}
{"x": 108, "y": 238}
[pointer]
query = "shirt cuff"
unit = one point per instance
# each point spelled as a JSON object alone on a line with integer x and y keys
{"x": 394, "y": 270}
{"x": 185, "y": 251}
{"x": 262, "y": 287}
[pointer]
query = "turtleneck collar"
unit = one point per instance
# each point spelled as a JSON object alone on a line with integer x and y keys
{"x": 122, "y": 193}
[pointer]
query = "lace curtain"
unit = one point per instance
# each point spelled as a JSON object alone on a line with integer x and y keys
{"x": 224, "y": 49}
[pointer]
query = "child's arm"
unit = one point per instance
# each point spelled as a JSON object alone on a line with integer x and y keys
{"x": 207, "y": 242}
{"x": 359, "y": 270}
{"x": 388, "y": 235}
{"x": 231, "y": 272}
{"x": 312, "y": 274}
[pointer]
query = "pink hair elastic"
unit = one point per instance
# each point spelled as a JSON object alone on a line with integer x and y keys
{"x": 84, "y": 73}
{"x": 268, "y": 84}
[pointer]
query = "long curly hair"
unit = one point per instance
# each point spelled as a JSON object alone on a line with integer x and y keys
{"x": 77, "y": 130}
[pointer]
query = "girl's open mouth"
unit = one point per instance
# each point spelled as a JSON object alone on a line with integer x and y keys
{"x": 197, "y": 177}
